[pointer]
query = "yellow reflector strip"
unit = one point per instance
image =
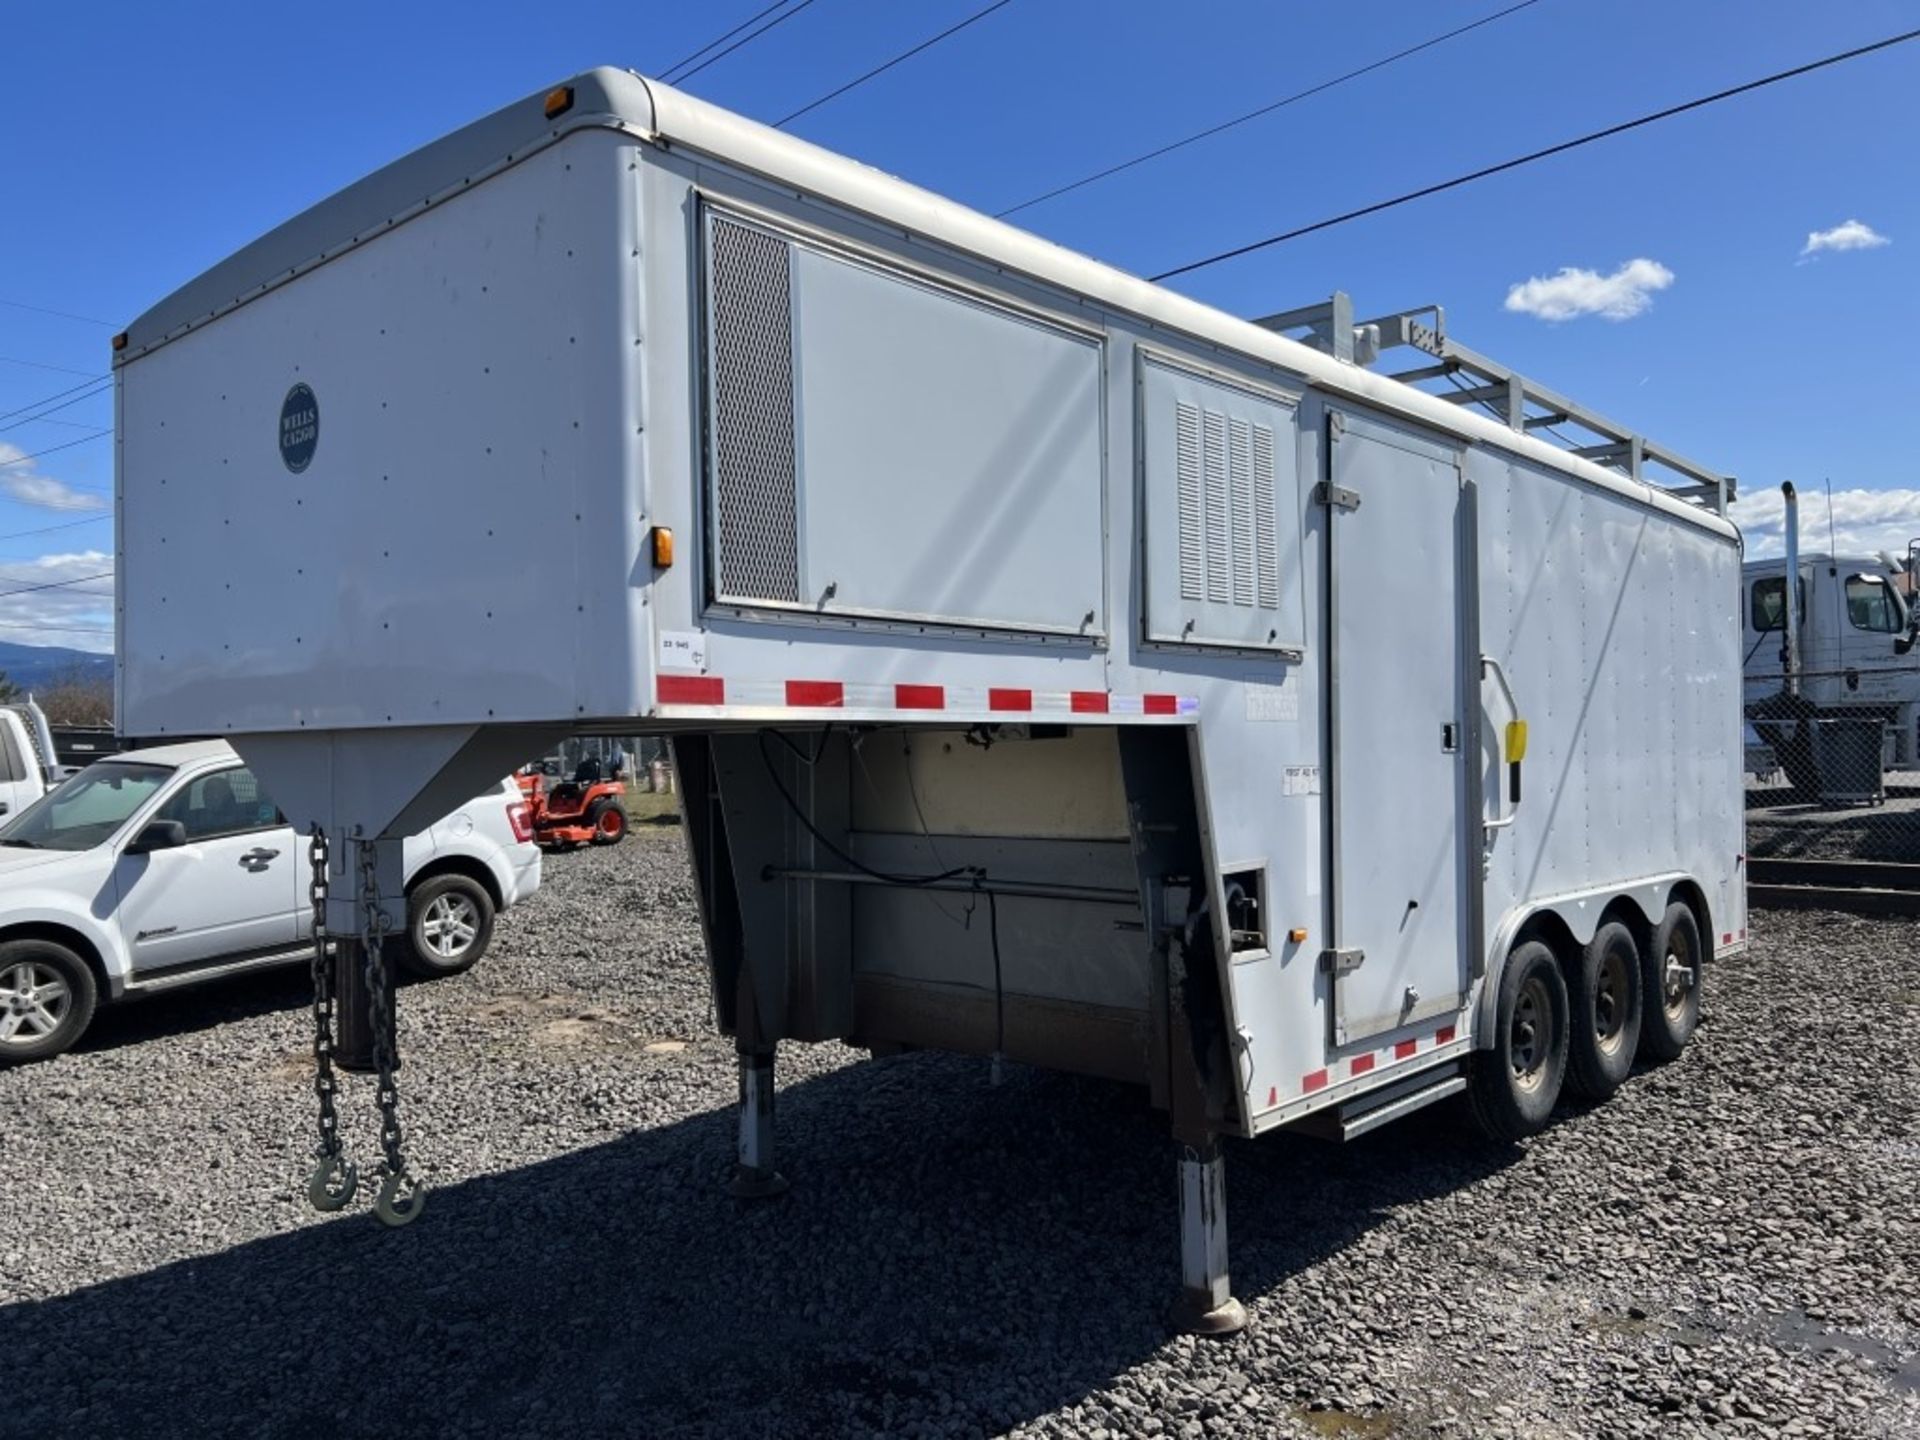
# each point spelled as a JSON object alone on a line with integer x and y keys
{"x": 1516, "y": 741}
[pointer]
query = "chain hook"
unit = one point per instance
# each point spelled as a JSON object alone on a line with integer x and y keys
{"x": 391, "y": 1206}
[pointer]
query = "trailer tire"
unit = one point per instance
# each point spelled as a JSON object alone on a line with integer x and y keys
{"x": 1672, "y": 974}
{"x": 41, "y": 982}
{"x": 1605, "y": 993}
{"x": 1515, "y": 1085}
{"x": 609, "y": 821}
{"x": 449, "y": 926}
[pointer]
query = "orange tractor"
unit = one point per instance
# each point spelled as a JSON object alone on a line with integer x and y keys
{"x": 586, "y": 810}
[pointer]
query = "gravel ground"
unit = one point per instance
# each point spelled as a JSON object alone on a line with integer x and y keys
{"x": 1729, "y": 1246}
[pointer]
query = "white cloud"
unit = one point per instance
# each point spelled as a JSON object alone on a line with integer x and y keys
{"x": 1573, "y": 292}
{"x": 78, "y": 615}
{"x": 24, "y": 482}
{"x": 1847, "y": 235}
{"x": 1864, "y": 522}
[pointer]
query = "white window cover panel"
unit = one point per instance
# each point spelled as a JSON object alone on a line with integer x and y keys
{"x": 950, "y": 454}
{"x": 1223, "y": 512}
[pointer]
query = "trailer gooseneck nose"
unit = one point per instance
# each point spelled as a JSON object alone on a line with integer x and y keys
{"x": 1035, "y": 687}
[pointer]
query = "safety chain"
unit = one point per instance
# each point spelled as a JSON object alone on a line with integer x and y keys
{"x": 392, "y": 1206}
{"x": 335, "y": 1178}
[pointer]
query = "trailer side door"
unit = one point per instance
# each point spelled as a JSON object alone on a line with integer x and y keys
{"x": 1397, "y": 778}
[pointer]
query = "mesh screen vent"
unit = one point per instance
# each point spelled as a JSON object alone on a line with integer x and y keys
{"x": 1229, "y": 546}
{"x": 1187, "y": 467}
{"x": 750, "y": 359}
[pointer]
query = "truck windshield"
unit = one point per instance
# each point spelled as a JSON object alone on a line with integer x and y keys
{"x": 87, "y": 809}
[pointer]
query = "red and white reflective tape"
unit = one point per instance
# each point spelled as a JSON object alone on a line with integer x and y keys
{"x": 704, "y": 693}
{"x": 1354, "y": 1066}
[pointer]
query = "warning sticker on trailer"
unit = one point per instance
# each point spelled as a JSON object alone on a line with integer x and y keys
{"x": 1273, "y": 702}
{"x": 683, "y": 650}
{"x": 1300, "y": 780}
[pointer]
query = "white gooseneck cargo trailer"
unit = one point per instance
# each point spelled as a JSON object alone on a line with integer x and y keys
{"x": 1057, "y": 669}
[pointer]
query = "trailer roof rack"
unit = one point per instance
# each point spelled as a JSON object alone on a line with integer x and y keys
{"x": 1471, "y": 378}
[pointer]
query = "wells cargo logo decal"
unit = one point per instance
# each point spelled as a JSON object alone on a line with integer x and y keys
{"x": 299, "y": 428}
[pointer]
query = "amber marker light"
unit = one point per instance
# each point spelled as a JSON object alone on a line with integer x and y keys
{"x": 559, "y": 100}
{"x": 662, "y": 548}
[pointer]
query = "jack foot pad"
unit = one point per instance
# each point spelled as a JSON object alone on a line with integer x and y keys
{"x": 749, "y": 1183}
{"x": 1190, "y": 1317}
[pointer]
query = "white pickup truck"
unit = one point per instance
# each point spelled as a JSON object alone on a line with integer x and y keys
{"x": 26, "y": 756}
{"x": 166, "y": 867}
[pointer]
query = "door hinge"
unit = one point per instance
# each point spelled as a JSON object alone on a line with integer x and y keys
{"x": 1341, "y": 962}
{"x": 1336, "y": 497}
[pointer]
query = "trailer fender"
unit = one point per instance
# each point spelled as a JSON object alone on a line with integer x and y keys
{"x": 1573, "y": 917}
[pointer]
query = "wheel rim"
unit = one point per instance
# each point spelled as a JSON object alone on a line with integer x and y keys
{"x": 34, "y": 1001}
{"x": 611, "y": 822}
{"x": 450, "y": 925}
{"x": 1611, "y": 1002}
{"x": 1531, "y": 1040}
{"x": 1676, "y": 979}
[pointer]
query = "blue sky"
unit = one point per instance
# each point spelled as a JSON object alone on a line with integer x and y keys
{"x": 141, "y": 143}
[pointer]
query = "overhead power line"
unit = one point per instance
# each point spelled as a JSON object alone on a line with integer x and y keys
{"x": 43, "y": 365}
{"x": 25, "y": 459}
{"x": 1266, "y": 109}
{"x": 59, "y": 585}
{"x": 63, "y": 314}
{"x": 100, "y": 389}
{"x": 63, "y": 629}
{"x": 49, "y": 529}
{"x": 1528, "y": 159}
{"x": 903, "y": 56}
{"x": 35, "y": 404}
{"x": 667, "y": 72}
{"x": 747, "y": 39}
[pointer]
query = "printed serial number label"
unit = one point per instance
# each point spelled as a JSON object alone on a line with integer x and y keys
{"x": 1300, "y": 780}
{"x": 683, "y": 650}
{"x": 1273, "y": 702}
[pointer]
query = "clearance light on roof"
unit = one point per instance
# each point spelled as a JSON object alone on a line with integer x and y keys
{"x": 559, "y": 100}
{"x": 120, "y": 342}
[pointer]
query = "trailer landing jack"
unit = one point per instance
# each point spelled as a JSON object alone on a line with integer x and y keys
{"x": 1206, "y": 1305}
{"x": 754, "y": 1177}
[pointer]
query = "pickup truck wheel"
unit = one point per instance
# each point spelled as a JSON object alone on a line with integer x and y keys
{"x": 47, "y": 997}
{"x": 1670, "y": 978}
{"x": 449, "y": 925}
{"x": 609, "y": 821}
{"x": 1515, "y": 1085}
{"x": 1605, "y": 994}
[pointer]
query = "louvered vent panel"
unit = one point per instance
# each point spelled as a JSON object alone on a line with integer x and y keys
{"x": 750, "y": 358}
{"x": 1266, "y": 550}
{"x": 1213, "y": 426}
{"x": 1186, "y": 449}
{"x": 1241, "y": 522}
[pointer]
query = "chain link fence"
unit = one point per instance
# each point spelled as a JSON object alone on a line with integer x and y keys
{"x": 1833, "y": 773}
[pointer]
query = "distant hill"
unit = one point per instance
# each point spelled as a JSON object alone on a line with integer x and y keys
{"x": 34, "y": 667}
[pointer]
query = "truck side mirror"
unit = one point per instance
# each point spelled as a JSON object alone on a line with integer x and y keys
{"x": 158, "y": 835}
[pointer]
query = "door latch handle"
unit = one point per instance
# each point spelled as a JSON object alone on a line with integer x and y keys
{"x": 258, "y": 859}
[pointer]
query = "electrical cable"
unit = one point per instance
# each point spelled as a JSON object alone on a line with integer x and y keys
{"x": 23, "y": 459}
{"x": 905, "y": 881}
{"x": 64, "y": 629}
{"x": 49, "y": 529}
{"x": 43, "y": 365}
{"x": 687, "y": 75}
{"x": 904, "y": 55}
{"x": 63, "y": 314}
{"x": 666, "y": 74}
{"x": 1528, "y": 159}
{"x": 42, "y": 414}
{"x": 1267, "y": 109}
{"x": 36, "y": 404}
{"x": 59, "y": 584}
